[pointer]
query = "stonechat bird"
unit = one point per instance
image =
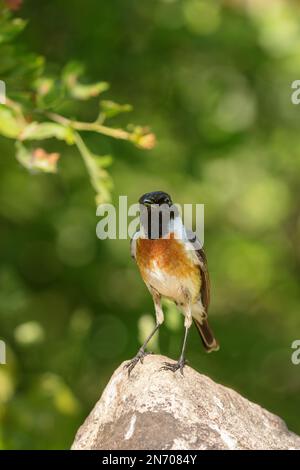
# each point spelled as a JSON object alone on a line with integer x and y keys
{"x": 173, "y": 265}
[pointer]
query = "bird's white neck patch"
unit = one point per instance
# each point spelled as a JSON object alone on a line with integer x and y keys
{"x": 162, "y": 227}
{"x": 176, "y": 226}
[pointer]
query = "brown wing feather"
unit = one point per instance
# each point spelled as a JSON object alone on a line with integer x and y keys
{"x": 205, "y": 285}
{"x": 208, "y": 339}
{"x": 205, "y": 282}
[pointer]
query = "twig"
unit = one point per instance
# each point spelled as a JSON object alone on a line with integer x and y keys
{"x": 90, "y": 126}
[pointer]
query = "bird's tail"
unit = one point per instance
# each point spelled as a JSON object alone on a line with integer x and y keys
{"x": 209, "y": 341}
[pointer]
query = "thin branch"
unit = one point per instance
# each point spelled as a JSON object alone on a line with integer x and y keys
{"x": 98, "y": 176}
{"x": 90, "y": 126}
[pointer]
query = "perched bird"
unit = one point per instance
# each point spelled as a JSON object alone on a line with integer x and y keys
{"x": 172, "y": 265}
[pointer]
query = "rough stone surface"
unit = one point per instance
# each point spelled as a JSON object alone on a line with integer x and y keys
{"x": 156, "y": 409}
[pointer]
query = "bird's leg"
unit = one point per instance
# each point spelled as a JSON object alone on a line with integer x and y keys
{"x": 159, "y": 320}
{"x": 141, "y": 352}
{"x": 181, "y": 361}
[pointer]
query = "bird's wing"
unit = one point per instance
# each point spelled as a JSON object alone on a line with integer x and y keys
{"x": 205, "y": 285}
{"x": 202, "y": 261}
{"x": 133, "y": 244}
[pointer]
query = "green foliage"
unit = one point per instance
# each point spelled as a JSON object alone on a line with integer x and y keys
{"x": 10, "y": 27}
{"x": 110, "y": 109}
{"x": 75, "y": 89}
{"x": 213, "y": 78}
{"x": 36, "y": 160}
{"x": 26, "y": 116}
{"x": 9, "y": 124}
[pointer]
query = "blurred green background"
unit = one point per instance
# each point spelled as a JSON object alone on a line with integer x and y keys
{"x": 213, "y": 80}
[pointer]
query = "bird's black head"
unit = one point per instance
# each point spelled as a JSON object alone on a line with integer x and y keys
{"x": 157, "y": 198}
{"x": 156, "y": 212}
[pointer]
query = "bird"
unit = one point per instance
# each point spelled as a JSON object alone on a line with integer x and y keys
{"x": 173, "y": 265}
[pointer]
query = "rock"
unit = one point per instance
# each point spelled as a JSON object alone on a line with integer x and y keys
{"x": 156, "y": 409}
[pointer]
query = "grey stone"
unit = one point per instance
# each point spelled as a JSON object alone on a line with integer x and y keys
{"x": 156, "y": 409}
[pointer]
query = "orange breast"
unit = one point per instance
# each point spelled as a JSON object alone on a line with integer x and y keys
{"x": 168, "y": 255}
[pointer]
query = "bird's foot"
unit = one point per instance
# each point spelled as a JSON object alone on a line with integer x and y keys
{"x": 174, "y": 366}
{"x": 138, "y": 358}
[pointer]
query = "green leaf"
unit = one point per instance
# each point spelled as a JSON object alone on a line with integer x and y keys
{"x": 9, "y": 124}
{"x": 47, "y": 130}
{"x": 26, "y": 69}
{"x": 49, "y": 92}
{"x": 71, "y": 72}
{"x": 30, "y": 66}
{"x": 85, "y": 92}
{"x": 24, "y": 156}
{"x": 9, "y": 28}
{"x": 104, "y": 160}
{"x": 36, "y": 160}
{"x": 79, "y": 90}
{"x": 111, "y": 109}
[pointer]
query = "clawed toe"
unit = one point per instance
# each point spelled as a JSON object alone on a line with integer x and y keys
{"x": 139, "y": 357}
{"x": 174, "y": 366}
{"x": 131, "y": 364}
